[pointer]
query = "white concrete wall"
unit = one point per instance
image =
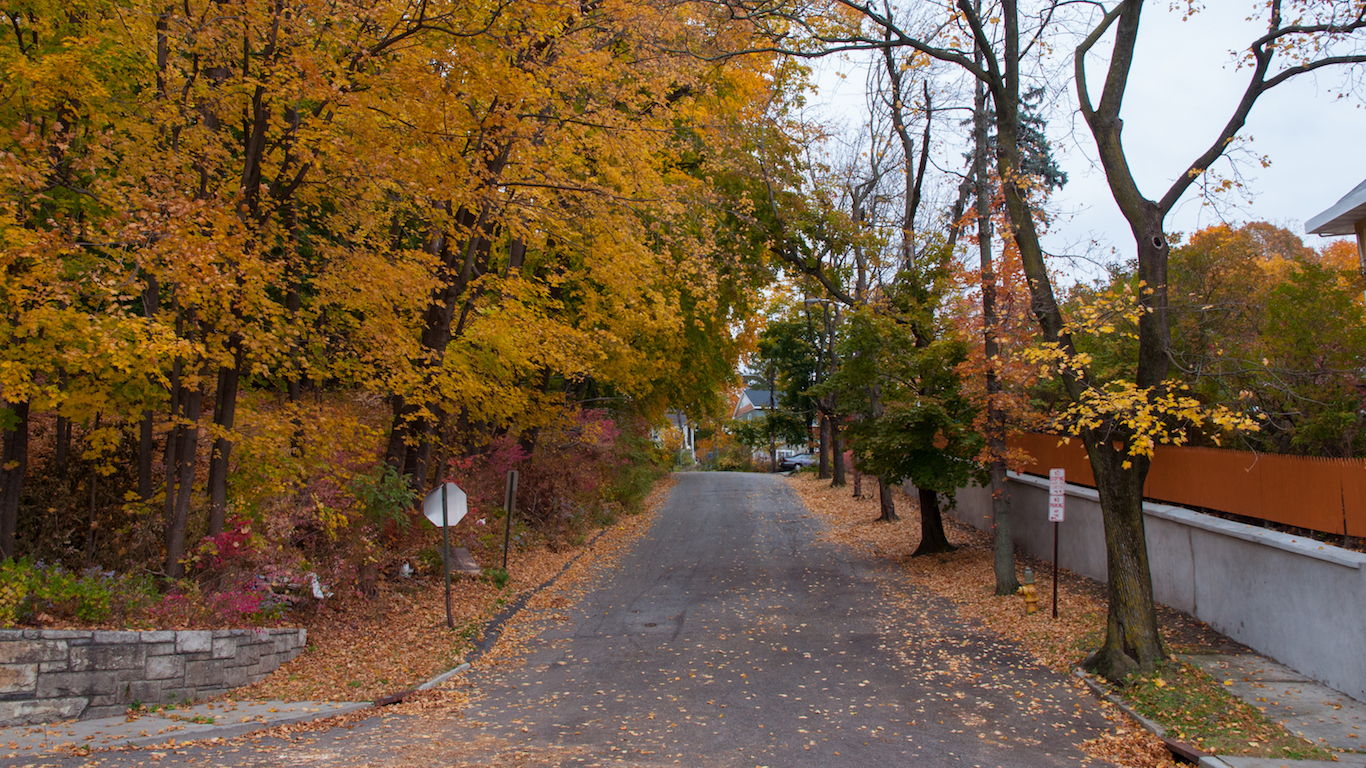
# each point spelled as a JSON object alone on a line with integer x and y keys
{"x": 1294, "y": 599}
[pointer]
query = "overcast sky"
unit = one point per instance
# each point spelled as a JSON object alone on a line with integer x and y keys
{"x": 1182, "y": 89}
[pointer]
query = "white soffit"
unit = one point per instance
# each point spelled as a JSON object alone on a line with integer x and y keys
{"x": 1341, "y": 219}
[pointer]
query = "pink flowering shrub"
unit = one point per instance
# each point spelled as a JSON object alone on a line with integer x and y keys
{"x": 235, "y": 544}
{"x": 245, "y": 603}
{"x": 580, "y": 473}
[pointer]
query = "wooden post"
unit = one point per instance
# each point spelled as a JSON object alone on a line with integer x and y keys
{"x": 509, "y": 504}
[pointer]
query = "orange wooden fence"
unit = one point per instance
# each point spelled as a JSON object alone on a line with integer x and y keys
{"x": 1326, "y": 495}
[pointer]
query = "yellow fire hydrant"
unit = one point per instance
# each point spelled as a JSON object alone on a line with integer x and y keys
{"x": 1030, "y": 592}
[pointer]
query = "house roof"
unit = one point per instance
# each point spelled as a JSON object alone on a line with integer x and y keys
{"x": 1340, "y": 219}
{"x": 758, "y": 397}
{"x": 749, "y": 401}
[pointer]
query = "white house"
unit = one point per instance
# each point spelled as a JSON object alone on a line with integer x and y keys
{"x": 1346, "y": 217}
{"x": 752, "y": 404}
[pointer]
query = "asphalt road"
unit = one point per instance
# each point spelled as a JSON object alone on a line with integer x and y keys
{"x": 729, "y": 636}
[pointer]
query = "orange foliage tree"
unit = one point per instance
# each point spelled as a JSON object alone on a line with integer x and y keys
{"x": 482, "y": 214}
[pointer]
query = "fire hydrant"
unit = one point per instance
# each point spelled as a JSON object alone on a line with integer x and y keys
{"x": 1030, "y": 592}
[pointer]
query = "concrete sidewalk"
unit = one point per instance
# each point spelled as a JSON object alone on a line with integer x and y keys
{"x": 212, "y": 720}
{"x": 1306, "y": 708}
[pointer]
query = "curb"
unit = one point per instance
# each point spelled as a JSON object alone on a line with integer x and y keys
{"x": 1180, "y": 751}
{"x": 232, "y": 731}
{"x": 493, "y": 629}
{"x": 84, "y": 737}
{"x": 1102, "y": 693}
{"x": 1186, "y": 752}
{"x": 444, "y": 676}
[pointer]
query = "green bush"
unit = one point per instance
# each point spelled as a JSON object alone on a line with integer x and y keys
{"x": 496, "y": 576}
{"x": 429, "y": 560}
{"x": 736, "y": 458}
{"x": 383, "y": 495}
{"x": 642, "y": 463}
{"x": 13, "y": 590}
{"x": 33, "y": 591}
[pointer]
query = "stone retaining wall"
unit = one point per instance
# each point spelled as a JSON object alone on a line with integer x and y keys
{"x": 52, "y": 674}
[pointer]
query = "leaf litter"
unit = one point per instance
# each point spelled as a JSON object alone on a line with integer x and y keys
{"x": 965, "y": 577}
{"x": 403, "y": 641}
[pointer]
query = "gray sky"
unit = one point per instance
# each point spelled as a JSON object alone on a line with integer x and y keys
{"x": 1182, "y": 89}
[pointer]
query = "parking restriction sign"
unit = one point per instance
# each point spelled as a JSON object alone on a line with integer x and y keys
{"x": 1057, "y": 482}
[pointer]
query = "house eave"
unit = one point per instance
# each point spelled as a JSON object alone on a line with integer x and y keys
{"x": 1342, "y": 217}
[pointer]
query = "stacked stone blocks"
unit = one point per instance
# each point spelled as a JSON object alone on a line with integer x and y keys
{"x": 51, "y": 674}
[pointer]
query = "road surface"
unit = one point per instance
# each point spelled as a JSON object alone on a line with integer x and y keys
{"x": 729, "y": 635}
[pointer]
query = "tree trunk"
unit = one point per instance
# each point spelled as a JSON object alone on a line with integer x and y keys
{"x": 62, "y": 450}
{"x": 409, "y": 432}
{"x": 443, "y": 446}
{"x": 173, "y": 440}
{"x": 225, "y": 410}
{"x": 1003, "y": 545}
{"x": 1132, "y": 640}
{"x": 837, "y": 455}
{"x": 420, "y": 457}
{"x": 396, "y": 450}
{"x": 858, "y": 483}
{"x": 933, "y": 540}
{"x": 151, "y": 298}
{"x": 884, "y": 493}
{"x": 885, "y": 502}
{"x": 823, "y": 467}
{"x": 295, "y": 392}
{"x": 186, "y": 452}
{"x": 1003, "y": 542}
{"x": 461, "y": 265}
{"x": 92, "y": 524}
{"x": 146, "y": 447}
{"x": 13, "y": 466}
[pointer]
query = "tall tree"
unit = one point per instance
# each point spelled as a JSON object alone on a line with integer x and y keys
{"x": 980, "y": 184}
{"x": 900, "y": 348}
{"x": 1114, "y": 418}
{"x": 1314, "y": 35}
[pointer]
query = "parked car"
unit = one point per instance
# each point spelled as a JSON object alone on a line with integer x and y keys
{"x": 797, "y": 461}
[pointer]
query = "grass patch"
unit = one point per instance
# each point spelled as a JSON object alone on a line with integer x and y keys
{"x": 1086, "y": 641}
{"x": 497, "y": 577}
{"x": 1194, "y": 708}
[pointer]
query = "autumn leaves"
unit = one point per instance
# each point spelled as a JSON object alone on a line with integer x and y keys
{"x": 483, "y": 212}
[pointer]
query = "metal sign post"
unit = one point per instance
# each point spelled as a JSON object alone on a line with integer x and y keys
{"x": 509, "y": 504}
{"x": 445, "y": 507}
{"x": 446, "y": 553}
{"x": 1057, "y": 505}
